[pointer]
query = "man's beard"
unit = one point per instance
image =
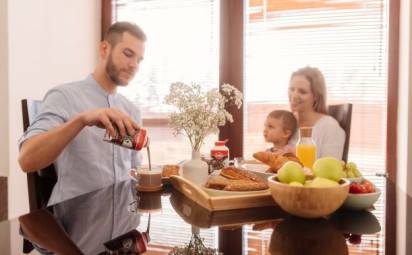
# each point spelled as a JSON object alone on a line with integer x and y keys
{"x": 113, "y": 72}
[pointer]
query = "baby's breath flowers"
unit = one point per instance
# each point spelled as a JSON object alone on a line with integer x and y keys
{"x": 195, "y": 247}
{"x": 200, "y": 113}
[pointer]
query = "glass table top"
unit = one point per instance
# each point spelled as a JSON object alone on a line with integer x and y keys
{"x": 87, "y": 222}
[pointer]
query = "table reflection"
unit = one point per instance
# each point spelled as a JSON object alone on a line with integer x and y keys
{"x": 93, "y": 219}
{"x": 196, "y": 215}
{"x": 295, "y": 236}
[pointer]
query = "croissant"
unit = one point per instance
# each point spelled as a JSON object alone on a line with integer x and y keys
{"x": 292, "y": 157}
{"x": 266, "y": 157}
{"x": 273, "y": 160}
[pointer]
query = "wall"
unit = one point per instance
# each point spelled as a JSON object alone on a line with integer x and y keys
{"x": 4, "y": 155}
{"x": 404, "y": 178}
{"x": 50, "y": 42}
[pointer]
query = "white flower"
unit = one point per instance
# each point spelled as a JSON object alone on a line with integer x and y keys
{"x": 200, "y": 113}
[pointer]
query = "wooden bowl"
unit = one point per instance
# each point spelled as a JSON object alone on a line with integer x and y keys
{"x": 308, "y": 202}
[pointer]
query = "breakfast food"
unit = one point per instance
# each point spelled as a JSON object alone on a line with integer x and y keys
{"x": 217, "y": 182}
{"x": 169, "y": 170}
{"x": 327, "y": 172}
{"x": 351, "y": 170}
{"x": 245, "y": 185}
{"x": 234, "y": 179}
{"x": 363, "y": 187}
{"x": 238, "y": 174}
{"x": 275, "y": 161}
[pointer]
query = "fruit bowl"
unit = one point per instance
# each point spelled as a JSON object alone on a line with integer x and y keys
{"x": 361, "y": 201}
{"x": 308, "y": 202}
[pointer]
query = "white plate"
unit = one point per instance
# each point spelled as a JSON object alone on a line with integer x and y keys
{"x": 260, "y": 168}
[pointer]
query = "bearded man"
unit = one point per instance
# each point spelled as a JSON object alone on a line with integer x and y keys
{"x": 68, "y": 132}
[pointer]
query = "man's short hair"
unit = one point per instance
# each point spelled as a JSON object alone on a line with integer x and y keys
{"x": 115, "y": 32}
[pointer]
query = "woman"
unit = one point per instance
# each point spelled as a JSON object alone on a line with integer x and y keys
{"x": 307, "y": 98}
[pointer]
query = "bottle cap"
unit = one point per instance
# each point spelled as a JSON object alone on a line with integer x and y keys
{"x": 141, "y": 139}
{"x": 305, "y": 131}
{"x": 220, "y": 143}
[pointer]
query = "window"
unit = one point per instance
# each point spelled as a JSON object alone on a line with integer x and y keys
{"x": 182, "y": 45}
{"x": 347, "y": 40}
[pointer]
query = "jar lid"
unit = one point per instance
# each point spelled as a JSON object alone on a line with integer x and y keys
{"x": 220, "y": 143}
{"x": 305, "y": 131}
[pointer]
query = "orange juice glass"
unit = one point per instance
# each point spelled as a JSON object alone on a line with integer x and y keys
{"x": 306, "y": 153}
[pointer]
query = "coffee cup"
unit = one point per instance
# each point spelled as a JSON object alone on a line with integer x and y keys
{"x": 148, "y": 180}
{"x": 150, "y": 202}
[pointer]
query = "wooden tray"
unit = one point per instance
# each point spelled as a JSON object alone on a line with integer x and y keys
{"x": 221, "y": 202}
{"x": 196, "y": 215}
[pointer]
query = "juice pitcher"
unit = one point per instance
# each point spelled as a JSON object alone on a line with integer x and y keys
{"x": 306, "y": 147}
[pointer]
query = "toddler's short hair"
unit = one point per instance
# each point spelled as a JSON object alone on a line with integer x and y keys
{"x": 289, "y": 121}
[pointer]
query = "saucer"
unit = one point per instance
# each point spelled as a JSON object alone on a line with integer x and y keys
{"x": 149, "y": 188}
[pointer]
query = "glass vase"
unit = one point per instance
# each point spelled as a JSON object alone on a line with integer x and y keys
{"x": 195, "y": 170}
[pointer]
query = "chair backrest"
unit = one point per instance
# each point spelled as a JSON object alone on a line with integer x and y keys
{"x": 40, "y": 184}
{"x": 343, "y": 114}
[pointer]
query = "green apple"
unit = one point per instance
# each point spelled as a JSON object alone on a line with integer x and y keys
{"x": 297, "y": 184}
{"x": 329, "y": 168}
{"x": 291, "y": 172}
{"x": 320, "y": 182}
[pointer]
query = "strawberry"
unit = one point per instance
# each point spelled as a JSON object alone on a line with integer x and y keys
{"x": 368, "y": 186}
{"x": 356, "y": 188}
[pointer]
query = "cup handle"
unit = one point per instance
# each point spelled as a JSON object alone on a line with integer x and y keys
{"x": 134, "y": 175}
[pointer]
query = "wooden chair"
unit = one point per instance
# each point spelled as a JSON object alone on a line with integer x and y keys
{"x": 343, "y": 114}
{"x": 40, "y": 184}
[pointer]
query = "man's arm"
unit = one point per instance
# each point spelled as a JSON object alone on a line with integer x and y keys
{"x": 42, "y": 150}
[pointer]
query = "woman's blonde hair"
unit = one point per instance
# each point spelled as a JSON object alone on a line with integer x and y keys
{"x": 317, "y": 85}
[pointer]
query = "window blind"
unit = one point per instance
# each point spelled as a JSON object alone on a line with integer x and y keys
{"x": 347, "y": 40}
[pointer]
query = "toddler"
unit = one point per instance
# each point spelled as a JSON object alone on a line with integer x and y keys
{"x": 280, "y": 125}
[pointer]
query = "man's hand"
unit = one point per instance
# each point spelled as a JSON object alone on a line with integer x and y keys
{"x": 106, "y": 118}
